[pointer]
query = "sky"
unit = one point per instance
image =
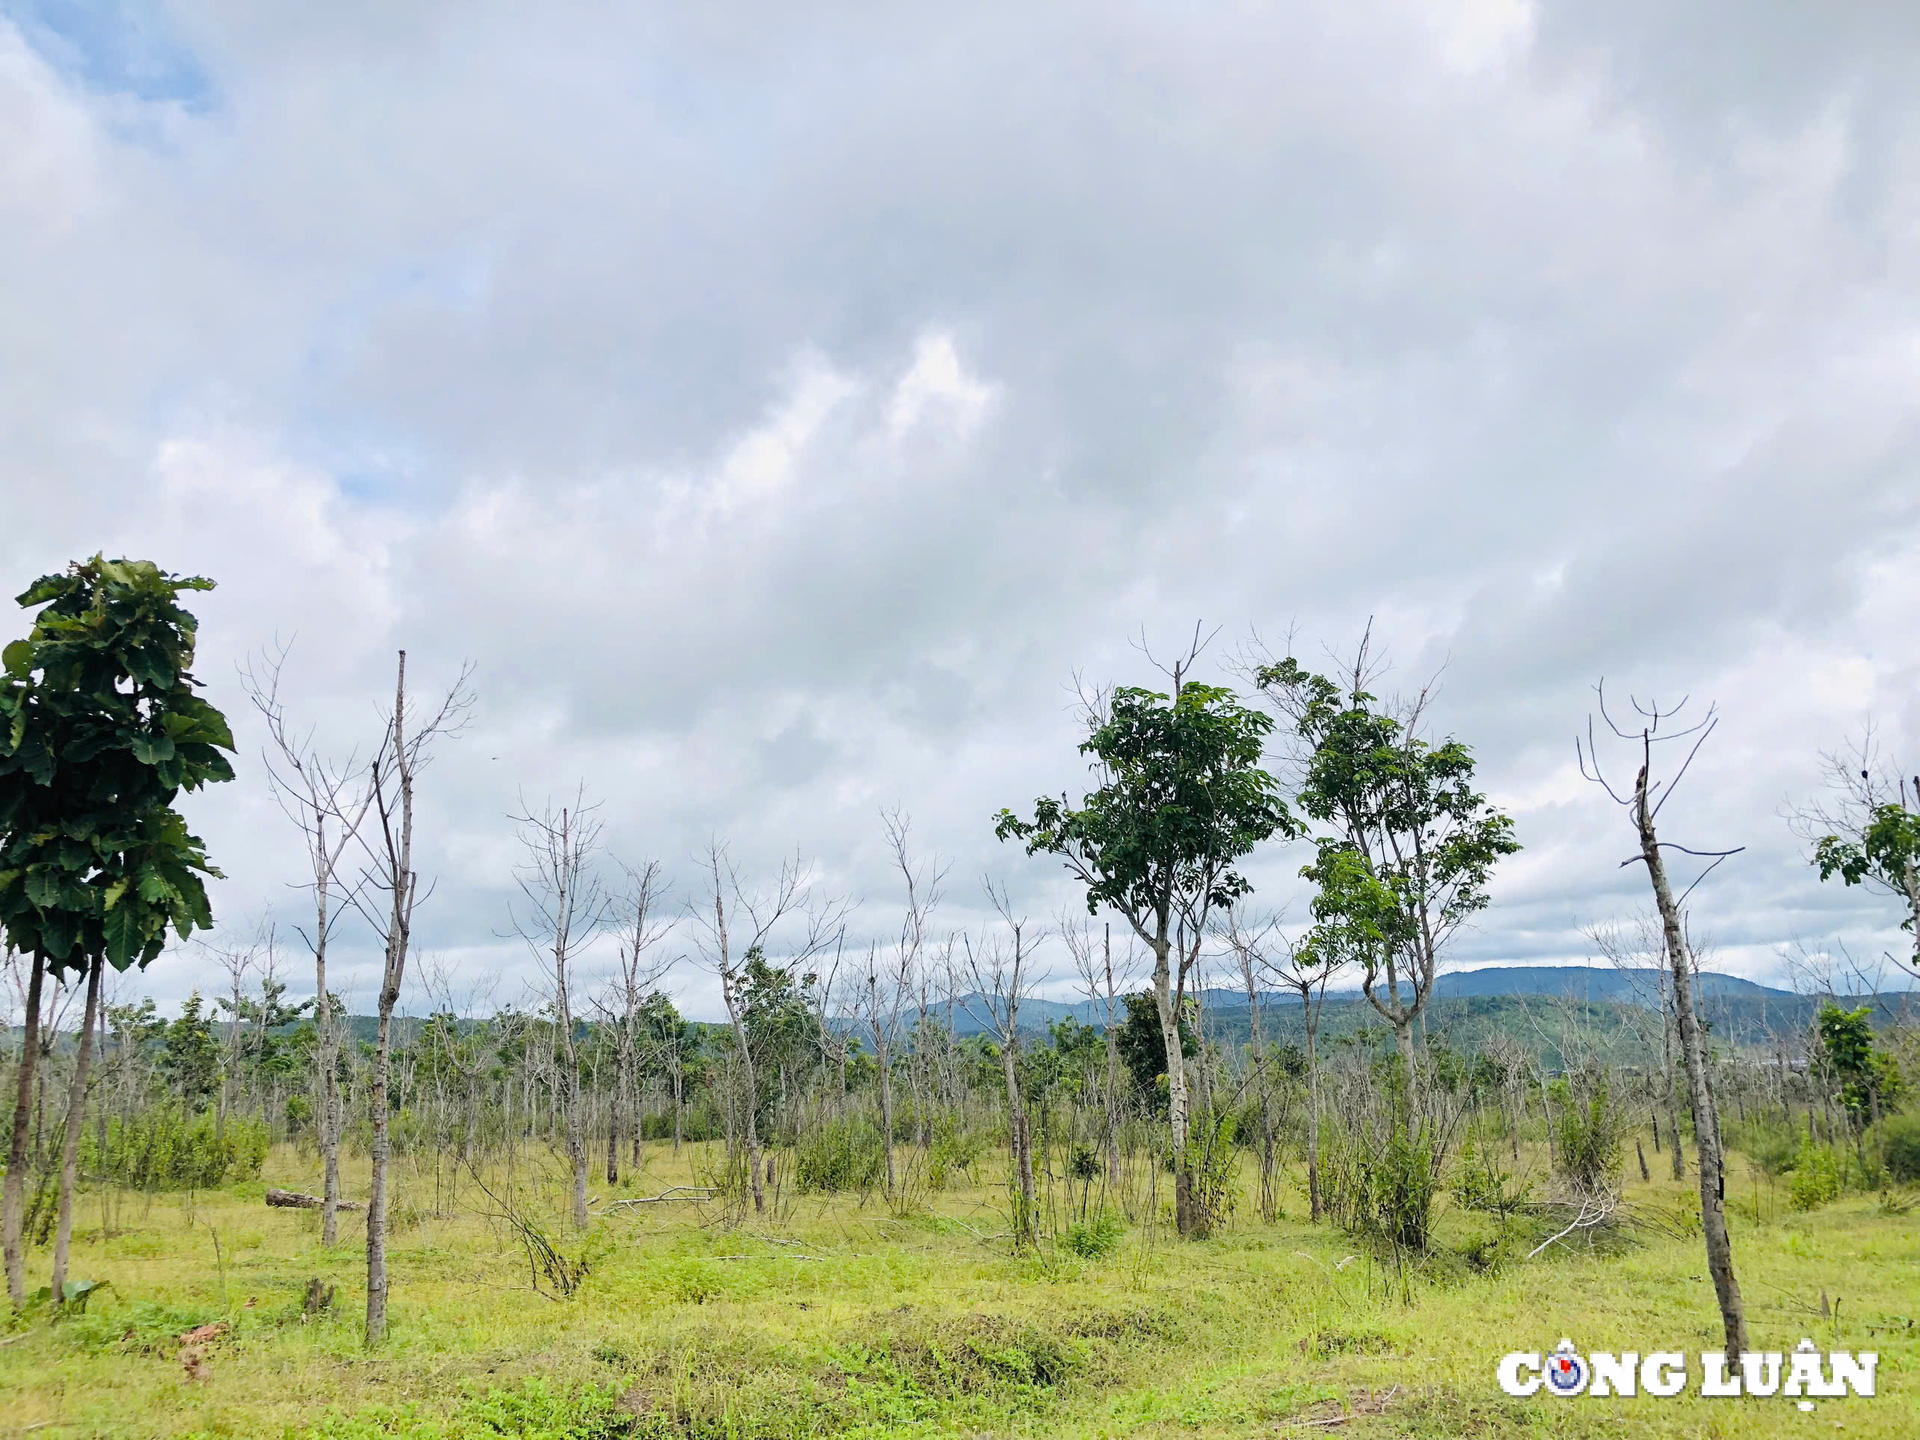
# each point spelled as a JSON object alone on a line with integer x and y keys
{"x": 780, "y": 406}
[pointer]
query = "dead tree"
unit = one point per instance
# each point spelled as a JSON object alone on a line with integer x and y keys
{"x": 1103, "y": 986}
{"x": 1002, "y": 974}
{"x": 1644, "y": 809}
{"x": 326, "y": 803}
{"x": 923, "y": 881}
{"x": 1640, "y": 954}
{"x": 562, "y": 906}
{"x": 731, "y": 945}
{"x": 641, "y": 967}
{"x": 385, "y": 897}
{"x": 1265, "y": 950}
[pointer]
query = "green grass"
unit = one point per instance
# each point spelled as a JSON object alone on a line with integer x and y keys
{"x": 838, "y": 1318}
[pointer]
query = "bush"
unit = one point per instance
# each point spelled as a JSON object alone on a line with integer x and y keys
{"x": 1091, "y": 1239}
{"x": 165, "y": 1148}
{"x": 1902, "y": 1137}
{"x": 1587, "y": 1151}
{"x": 1816, "y": 1176}
{"x": 697, "y": 1122}
{"x": 1775, "y": 1149}
{"x": 951, "y": 1149}
{"x": 843, "y": 1155}
{"x": 1480, "y": 1184}
{"x": 1382, "y": 1191}
{"x": 1212, "y": 1174}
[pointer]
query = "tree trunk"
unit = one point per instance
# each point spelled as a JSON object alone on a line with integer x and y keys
{"x": 884, "y": 1060}
{"x": 70, "y": 1151}
{"x": 327, "y": 1058}
{"x": 754, "y": 1180}
{"x": 1183, "y": 1217}
{"x": 378, "y": 1151}
{"x": 1673, "y": 1104}
{"x": 1018, "y": 1135}
{"x": 1113, "y": 1077}
{"x": 613, "y": 1133}
{"x": 576, "y": 1125}
{"x": 1706, "y": 1131}
{"x": 400, "y": 920}
{"x": 1313, "y": 1117}
{"x": 17, "y": 1153}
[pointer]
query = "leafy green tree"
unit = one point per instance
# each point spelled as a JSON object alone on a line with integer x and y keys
{"x": 1082, "y": 1050}
{"x": 263, "y": 1026}
{"x": 1869, "y": 1079}
{"x": 1182, "y": 800}
{"x": 1408, "y": 845}
{"x": 100, "y": 729}
{"x": 190, "y": 1055}
{"x": 1883, "y": 852}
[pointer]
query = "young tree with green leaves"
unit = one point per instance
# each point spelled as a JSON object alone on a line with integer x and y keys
{"x": 1870, "y": 833}
{"x": 1182, "y": 800}
{"x": 735, "y": 947}
{"x": 1869, "y": 1079}
{"x": 1409, "y": 844}
{"x": 100, "y": 730}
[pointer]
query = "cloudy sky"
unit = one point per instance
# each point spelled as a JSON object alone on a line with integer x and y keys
{"x": 779, "y": 404}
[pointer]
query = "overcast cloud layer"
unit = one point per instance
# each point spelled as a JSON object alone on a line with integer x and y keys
{"x": 780, "y": 404}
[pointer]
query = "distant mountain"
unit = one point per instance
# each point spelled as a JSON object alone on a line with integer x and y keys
{"x": 1591, "y": 982}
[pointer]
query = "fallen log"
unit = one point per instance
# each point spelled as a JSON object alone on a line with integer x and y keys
{"x": 294, "y": 1200}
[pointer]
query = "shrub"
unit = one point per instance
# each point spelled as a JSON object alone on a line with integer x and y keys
{"x": 1212, "y": 1172}
{"x": 1093, "y": 1238}
{"x": 1480, "y": 1184}
{"x": 843, "y": 1155}
{"x": 950, "y": 1149}
{"x": 1816, "y": 1177}
{"x": 165, "y": 1148}
{"x": 1775, "y": 1149}
{"x": 1902, "y": 1136}
{"x": 1588, "y": 1138}
{"x": 1382, "y": 1190}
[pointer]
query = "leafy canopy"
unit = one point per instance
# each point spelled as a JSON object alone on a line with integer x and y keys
{"x": 1887, "y": 852}
{"x": 1868, "y": 1075}
{"x": 100, "y": 729}
{"x": 1184, "y": 799}
{"x": 1410, "y": 845}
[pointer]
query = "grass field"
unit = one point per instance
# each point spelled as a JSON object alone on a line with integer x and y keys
{"x": 837, "y": 1317}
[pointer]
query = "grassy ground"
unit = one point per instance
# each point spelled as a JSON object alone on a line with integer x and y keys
{"x": 840, "y": 1318}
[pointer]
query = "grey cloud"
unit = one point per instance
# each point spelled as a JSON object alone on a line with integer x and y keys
{"x": 781, "y": 405}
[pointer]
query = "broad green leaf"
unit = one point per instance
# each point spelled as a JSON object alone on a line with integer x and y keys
{"x": 43, "y": 888}
{"x": 152, "y": 749}
{"x": 125, "y": 935}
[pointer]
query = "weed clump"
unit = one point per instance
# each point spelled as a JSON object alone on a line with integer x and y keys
{"x": 1095, "y": 1237}
{"x": 1902, "y": 1136}
{"x": 841, "y": 1155}
{"x": 1817, "y": 1177}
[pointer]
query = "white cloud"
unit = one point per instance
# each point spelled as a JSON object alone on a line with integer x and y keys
{"x": 781, "y": 405}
